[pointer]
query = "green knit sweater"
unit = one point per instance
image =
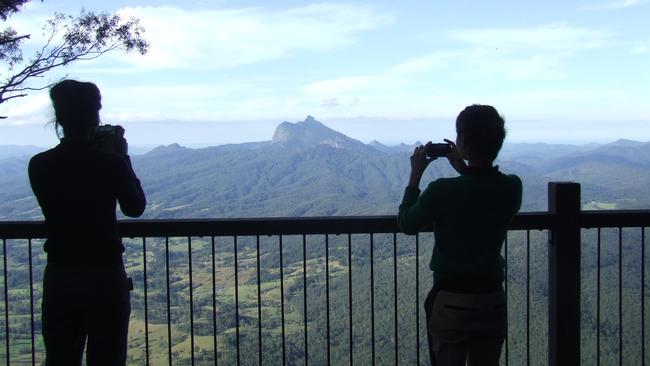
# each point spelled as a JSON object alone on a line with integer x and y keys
{"x": 470, "y": 214}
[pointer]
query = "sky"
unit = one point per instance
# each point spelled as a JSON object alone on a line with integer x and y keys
{"x": 393, "y": 71}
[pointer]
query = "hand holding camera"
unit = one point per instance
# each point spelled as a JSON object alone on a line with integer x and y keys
{"x": 110, "y": 138}
{"x": 422, "y": 156}
{"x": 455, "y": 159}
{"x": 434, "y": 151}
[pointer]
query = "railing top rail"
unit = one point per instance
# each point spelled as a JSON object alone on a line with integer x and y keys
{"x": 315, "y": 225}
{"x": 615, "y": 218}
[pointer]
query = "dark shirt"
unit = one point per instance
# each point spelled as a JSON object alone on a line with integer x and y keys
{"x": 77, "y": 187}
{"x": 470, "y": 214}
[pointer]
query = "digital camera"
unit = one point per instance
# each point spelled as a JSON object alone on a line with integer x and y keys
{"x": 437, "y": 150}
{"x": 110, "y": 138}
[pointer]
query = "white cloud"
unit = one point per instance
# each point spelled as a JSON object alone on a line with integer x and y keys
{"x": 129, "y": 103}
{"x": 575, "y": 103}
{"x": 613, "y": 4}
{"x": 474, "y": 57}
{"x": 32, "y": 109}
{"x": 216, "y": 39}
{"x": 642, "y": 47}
{"x": 437, "y": 60}
{"x": 556, "y": 37}
{"x": 188, "y": 101}
{"x": 350, "y": 84}
{"x": 30, "y": 21}
{"x": 517, "y": 54}
{"x": 330, "y": 102}
{"x": 483, "y": 64}
{"x": 512, "y": 68}
{"x": 168, "y": 93}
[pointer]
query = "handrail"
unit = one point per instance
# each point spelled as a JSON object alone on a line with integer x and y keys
{"x": 614, "y": 218}
{"x": 564, "y": 267}
{"x": 316, "y": 225}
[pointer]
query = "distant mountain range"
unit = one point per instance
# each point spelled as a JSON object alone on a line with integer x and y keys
{"x": 13, "y": 151}
{"x": 308, "y": 169}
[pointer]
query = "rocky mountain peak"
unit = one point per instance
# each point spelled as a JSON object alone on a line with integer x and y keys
{"x": 310, "y": 119}
{"x": 311, "y": 132}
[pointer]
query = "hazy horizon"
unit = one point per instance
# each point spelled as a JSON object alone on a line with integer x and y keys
{"x": 264, "y": 132}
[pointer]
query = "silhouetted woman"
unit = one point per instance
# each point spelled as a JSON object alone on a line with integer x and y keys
{"x": 86, "y": 293}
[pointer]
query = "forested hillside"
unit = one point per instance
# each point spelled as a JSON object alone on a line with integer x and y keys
{"x": 307, "y": 169}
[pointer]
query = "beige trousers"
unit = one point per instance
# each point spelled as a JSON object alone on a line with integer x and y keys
{"x": 467, "y": 328}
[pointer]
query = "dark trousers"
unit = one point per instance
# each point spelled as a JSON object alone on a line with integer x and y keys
{"x": 464, "y": 327}
{"x": 85, "y": 306}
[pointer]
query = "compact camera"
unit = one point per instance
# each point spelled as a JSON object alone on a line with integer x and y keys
{"x": 110, "y": 138}
{"x": 437, "y": 150}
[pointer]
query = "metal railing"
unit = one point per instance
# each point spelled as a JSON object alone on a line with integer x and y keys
{"x": 313, "y": 277}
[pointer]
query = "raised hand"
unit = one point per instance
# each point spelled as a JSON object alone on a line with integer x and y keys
{"x": 419, "y": 163}
{"x": 455, "y": 158}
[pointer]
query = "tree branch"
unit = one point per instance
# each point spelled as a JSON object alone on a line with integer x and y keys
{"x": 3, "y": 99}
{"x": 86, "y": 37}
{"x": 14, "y": 39}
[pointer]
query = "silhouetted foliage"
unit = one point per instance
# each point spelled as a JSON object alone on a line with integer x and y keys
{"x": 69, "y": 39}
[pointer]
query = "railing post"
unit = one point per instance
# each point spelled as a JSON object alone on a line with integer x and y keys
{"x": 564, "y": 274}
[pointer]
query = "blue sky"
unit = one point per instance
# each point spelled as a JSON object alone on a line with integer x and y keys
{"x": 230, "y": 71}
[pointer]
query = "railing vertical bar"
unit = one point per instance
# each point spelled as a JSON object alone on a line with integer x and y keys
{"x": 327, "y": 295}
{"x": 350, "y": 339}
{"x": 189, "y": 255}
{"x": 304, "y": 296}
{"x": 146, "y": 303}
{"x": 31, "y": 300}
{"x": 372, "y": 295}
{"x": 214, "y": 302}
{"x": 505, "y": 288}
{"x": 395, "y": 294}
{"x": 284, "y": 340}
{"x": 235, "y": 250}
{"x": 527, "y": 297}
{"x": 33, "y": 275}
{"x": 169, "y": 310}
{"x": 642, "y": 296}
{"x": 6, "y": 290}
{"x": 620, "y": 296}
{"x": 598, "y": 248}
{"x": 259, "y": 302}
{"x": 417, "y": 299}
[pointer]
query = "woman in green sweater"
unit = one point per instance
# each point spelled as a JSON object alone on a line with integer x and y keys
{"x": 466, "y": 307}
